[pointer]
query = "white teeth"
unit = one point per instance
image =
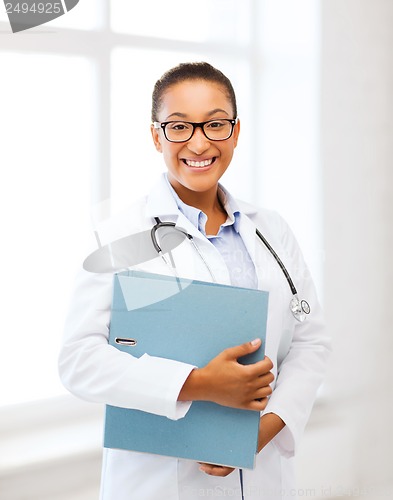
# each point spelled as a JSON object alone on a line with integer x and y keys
{"x": 204, "y": 163}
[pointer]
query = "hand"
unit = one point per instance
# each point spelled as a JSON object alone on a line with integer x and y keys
{"x": 216, "y": 470}
{"x": 227, "y": 382}
{"x": 270, "y": 425}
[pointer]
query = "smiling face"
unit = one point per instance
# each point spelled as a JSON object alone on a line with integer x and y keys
{"x": 195, "y": 166}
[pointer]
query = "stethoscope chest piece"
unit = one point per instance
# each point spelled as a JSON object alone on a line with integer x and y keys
{"x": 300, "y": 308}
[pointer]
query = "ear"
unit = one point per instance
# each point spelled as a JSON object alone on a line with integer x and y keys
{"x": 156, "y": 138}
{"x": 236, "y": 132}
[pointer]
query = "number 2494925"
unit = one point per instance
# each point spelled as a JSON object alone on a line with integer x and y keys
{"x": 34, "y": 8}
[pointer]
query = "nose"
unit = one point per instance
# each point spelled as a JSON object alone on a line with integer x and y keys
{"x": 198, "y": 142}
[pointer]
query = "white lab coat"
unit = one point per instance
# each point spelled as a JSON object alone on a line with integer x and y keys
{"x": 97, "y": 372}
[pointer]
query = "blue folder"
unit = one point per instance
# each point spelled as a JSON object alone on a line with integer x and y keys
{"x": 189, "y": 321}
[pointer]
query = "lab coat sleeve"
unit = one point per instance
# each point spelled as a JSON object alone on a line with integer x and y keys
{"x": 93, "y": 370}
{"x": 302, "y": 370}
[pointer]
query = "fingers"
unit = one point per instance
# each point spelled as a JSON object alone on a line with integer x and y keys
{"x": 260, "y": 393}
{"x": 227, "y": 382}
{"x": 260, "y": 398}
{"x": 258, "y": 376}
{"x": 261, "y": 368}
{"x": 254, "y": 383}
{"x": 263, "y": 391}
{"x": 243, "y": 349}
{"x": 264, "y": 380}
{"x": 257, "y": 405}
{"x": 216, "y": 470}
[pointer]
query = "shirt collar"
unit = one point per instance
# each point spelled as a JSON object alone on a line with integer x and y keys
{"x": 161, "y": 203}
{"x": 198, "y": 218}
{"x": 231, "y": 206}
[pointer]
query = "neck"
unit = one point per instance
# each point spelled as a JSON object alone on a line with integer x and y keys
{"x": 207, "y": 201}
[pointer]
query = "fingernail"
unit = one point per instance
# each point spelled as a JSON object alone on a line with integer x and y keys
{"x": 255, "y": 341}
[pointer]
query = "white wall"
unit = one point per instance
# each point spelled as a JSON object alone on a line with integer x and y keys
{"x": 348, "y": 443}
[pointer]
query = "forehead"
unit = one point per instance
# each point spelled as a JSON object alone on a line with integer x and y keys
{"x": 195, "y": 98}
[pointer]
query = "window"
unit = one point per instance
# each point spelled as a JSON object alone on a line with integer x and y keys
{"x": 75, "y": 101}
{"x": 219, "y": 22}
{"x": 47, "y": 139}
{"x": 289, "y": 179}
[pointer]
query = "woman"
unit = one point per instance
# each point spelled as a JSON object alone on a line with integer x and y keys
{"x": 196, "y": 129}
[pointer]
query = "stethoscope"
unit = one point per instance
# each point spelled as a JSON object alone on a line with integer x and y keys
{"x": 299, "y": 308}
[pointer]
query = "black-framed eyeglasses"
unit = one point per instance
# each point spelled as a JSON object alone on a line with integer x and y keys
{"x": 215, "y": 130}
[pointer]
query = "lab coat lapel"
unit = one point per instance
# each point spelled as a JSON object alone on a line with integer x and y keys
{"x": 247, "y": 232}
{"x": 161, "y": 203}
{"x": 210, "y": 265}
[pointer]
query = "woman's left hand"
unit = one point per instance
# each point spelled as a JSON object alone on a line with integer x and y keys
{"x": 270, "y": 425}
{"x": 216, "y": 470}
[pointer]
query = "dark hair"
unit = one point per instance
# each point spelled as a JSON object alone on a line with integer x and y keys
{"x": 190, "y": 71}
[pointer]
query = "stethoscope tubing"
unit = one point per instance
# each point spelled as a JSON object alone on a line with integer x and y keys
{"x": 278, "y": 260}
{"x": 299, "y": 308}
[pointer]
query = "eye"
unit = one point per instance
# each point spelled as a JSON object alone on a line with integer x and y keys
{"x": 179, "y": 126}
{"x": 216, "y": 124}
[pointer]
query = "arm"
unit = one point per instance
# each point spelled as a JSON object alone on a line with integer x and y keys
{"x": 227, "y": 382}
{"x": 97, "y": 372}
{"x": 301, "y": 370}
{"x": 270, "y": 425}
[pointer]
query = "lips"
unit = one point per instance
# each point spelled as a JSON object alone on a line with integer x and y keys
{"x": 199, "y": 164}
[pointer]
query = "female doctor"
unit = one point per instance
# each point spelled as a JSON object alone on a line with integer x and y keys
{"x": 195, "y": 127}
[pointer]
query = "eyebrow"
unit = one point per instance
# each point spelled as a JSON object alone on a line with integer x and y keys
{"x": 184, "y": 116}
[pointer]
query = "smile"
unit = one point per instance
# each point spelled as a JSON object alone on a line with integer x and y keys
{"x": 199, "y": 164}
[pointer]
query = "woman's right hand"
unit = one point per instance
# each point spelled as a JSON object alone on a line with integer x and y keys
{"x": 227, "y": 382}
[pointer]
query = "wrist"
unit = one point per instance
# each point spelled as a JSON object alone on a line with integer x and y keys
{"x": 193, "y": 387}
{"x": 270, "y": 425}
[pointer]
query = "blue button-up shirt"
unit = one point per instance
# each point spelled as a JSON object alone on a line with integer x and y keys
{"x": 227, "y": 241}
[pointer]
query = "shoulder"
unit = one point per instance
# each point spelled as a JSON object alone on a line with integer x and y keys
{"x": 264, "y": 218}
{"x": 268, "y": 219}
{"x": 272, "y": 225}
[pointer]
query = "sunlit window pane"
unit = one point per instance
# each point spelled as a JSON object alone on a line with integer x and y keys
{"x": 288, "y": 27}
{"x": 46, "y": 134}
{"x": 85, "y": 15}
{"x": 289, "y": 121}
{"x": 222, "y": 21}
